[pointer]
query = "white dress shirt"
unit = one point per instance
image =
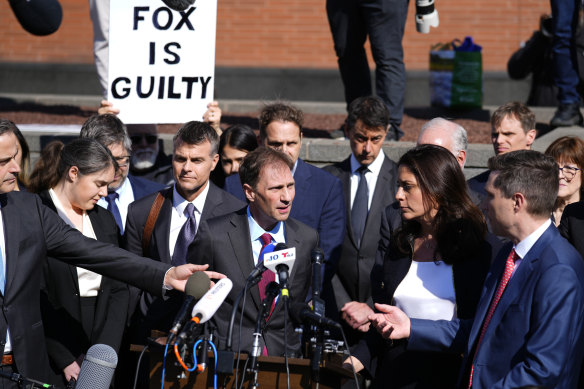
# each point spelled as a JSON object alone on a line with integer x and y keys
{"x": 371, "y": 176}
{"x": 178, "y": 217}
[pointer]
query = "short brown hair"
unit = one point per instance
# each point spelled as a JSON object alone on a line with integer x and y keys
{"x": 255, "y": 161}
{"x": 516, "y": 110}
{"x": 530, "y": 173}
{"x": 195, "y": 133}
{"x": 282, "y": 112}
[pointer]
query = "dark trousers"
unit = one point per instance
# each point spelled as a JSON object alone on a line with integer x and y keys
{"x": 351, "y": 21}
{"x": 565, "y": 19}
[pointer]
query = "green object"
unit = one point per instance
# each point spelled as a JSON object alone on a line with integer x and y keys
{"x": 467, "y": 80}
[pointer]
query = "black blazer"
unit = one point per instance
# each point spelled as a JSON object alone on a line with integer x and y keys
{"x": 60, "y": 301}
{"x": 224, "y": 243}
{"x": 32, "y": 231}
{"x": 161, "y": 312}
{"x": 395, "y": 365}
{"x": 351, "y": 280}
{"x": 572, "y": 225}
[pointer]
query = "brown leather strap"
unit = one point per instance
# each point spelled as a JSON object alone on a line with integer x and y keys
{"x": 7, "y": 359}
{"x": 151, "y": 221}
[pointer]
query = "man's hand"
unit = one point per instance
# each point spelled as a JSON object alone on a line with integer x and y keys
{"x": 107, "y": 107}
{"x": 391, "y": 323}
{"x": 213, "y": 116}
{"x": 356, "y": 314}
{"x": 176, "y": 277}
{"x": 72, "y": 371}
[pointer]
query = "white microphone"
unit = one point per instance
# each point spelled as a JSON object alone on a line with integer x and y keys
{"x": 281, "y": 263}
{"x": 210, "y": 302}
{"x": 281, "y": 257}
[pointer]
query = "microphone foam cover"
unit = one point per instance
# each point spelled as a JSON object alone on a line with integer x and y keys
{"x": 197, "y": 285}
{"x": 178, "y": 5}
{"x": 38, "y": 17}
{"x": 98, "y": 367}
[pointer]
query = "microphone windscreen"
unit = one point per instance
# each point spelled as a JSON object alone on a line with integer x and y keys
{"x": 178, "y": 5}
{"x": 197, "y": 285}
{"x": 38, "y": 17}
{"x": 98, "y": 367}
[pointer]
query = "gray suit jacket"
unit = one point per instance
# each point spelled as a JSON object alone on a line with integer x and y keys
{"x": 224, "y": 243}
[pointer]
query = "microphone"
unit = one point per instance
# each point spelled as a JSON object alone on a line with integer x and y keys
{"x": 38, "y": 17}
{"x": 98, "y": 368}
{"x": 301, "y": 313}
{"x": 210, "y": 302}
{"x": 317, "y": 258}
{"x": 259, "y": 269}
{"x": 178, "y": 5}
{"x": 207, "y": 306}
{"x": 272, "y": 290}
{"x": 197, "y": 284}
{"x": 281, "y": 263}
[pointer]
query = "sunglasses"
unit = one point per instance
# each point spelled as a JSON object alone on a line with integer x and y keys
{"x": 150, "y": 139}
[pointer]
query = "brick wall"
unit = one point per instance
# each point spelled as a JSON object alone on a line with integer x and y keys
{"x": 293, "y": 33}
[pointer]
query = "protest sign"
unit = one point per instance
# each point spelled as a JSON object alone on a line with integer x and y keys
{"x": 161, "y": 61}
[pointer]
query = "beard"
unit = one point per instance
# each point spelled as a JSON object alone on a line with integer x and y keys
{"x": 144, "y": 159}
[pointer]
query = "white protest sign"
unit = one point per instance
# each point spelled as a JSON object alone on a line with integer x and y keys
{"x": 161, "y": 61}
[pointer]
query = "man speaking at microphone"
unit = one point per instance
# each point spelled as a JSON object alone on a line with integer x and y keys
{"x": 232, "y": 244}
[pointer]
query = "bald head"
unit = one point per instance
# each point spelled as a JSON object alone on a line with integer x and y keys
{"x": 445, "y": 133}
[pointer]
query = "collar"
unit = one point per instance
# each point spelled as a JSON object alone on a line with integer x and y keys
{"x": 294, "y": 168}
{"x": 125, "y": 188}
{"x": 179, "y": 203}
{"x": 256, "y": 231}
{"x": 523, "y": 247}
{"x": 374, "y": 167}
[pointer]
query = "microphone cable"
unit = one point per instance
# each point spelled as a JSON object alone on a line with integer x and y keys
{"x": 138, "y": 366}
{"x": 164, "y": 366}
{"x": 286, "y": 342}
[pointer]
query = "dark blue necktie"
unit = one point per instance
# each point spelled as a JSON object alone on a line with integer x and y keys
{"x": 113, "y": 208}
{"x": 360, "y": 208}
{"x": 185, "y": 237}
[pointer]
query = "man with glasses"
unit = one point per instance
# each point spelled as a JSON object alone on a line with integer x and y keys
{"x": 148, "y": 158}
{"x": 109, "y": 130}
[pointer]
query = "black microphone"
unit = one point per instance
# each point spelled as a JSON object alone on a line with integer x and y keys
{"x": 38, "y": 17}
{"x": 197, "y": 285}
{"x": 317, "y": 259}
{"x": 98, "y": 367}
{"x": 301, "y": 313}
{"x": 178, "y": 5}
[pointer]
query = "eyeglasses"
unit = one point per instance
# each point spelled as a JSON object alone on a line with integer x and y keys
{"x": 123, "y": 161}
{"x": 569, "y": 172}
{"x": 150, "y": 139}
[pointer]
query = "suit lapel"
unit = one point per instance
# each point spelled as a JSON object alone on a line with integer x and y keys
{"x": 12, "y": 238}
{"x": 213, "y": 200}
{"x": 345, "y": 178}
{"x": 302, "y": 182}
{"x": 380, "y": 193}
{"x": 239, "y": 237}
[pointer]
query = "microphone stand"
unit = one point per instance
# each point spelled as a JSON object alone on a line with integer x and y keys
{"x": 318, "y": 308}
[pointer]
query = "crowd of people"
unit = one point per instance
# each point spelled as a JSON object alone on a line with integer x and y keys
{"x": 417, "y": 265}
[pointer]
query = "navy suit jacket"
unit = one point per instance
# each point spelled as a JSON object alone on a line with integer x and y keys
{"x": 319, "y": 203}
{"x": 535, "y": 336}
{"x": 142, "y": 187}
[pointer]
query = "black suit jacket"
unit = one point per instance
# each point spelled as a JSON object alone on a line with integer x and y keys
{"x": 160, "y": 313}
{"x": 351, "y": 280}
{"x": 572, "y": 225}
{"x": 32, "y": 231}
{"x": 60, "y": 301}
{"x": 224, "y": 243}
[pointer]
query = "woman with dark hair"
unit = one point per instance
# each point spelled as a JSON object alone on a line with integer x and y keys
{"x": 235, "y": 143}
{"x": 568, "y": 151}
{"x": 79, "y": 308}
{"x": 431, "y": 262}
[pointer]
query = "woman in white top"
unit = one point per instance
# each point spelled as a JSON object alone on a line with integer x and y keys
{"x": 568, "y": 151}
{"x": 431, "y": 262}
{"x": 80, "y": 308}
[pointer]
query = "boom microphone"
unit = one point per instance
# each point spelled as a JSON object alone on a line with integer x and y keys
{"x": 178, "y": 5}
{"x": 197, "y": 285}
{"x": 38, "y": 17}
{"x": 301, "y": 313}
{"x": 98, "y": 367}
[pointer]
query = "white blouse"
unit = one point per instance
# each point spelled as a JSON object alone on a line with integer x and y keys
{"x": 427, "y": 292}
{"x": 89, "y": 282}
